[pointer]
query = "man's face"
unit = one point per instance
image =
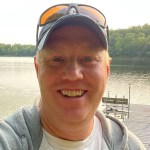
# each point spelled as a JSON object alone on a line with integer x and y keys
{"x": 72, "y": 75}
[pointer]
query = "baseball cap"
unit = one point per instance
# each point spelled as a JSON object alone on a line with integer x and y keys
{"x": 72, "y": 14}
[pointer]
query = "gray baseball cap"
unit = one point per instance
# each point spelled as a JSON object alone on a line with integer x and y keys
{"x": 73, "y": 19}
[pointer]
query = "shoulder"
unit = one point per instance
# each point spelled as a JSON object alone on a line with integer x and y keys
{"x": 10, "y": 134}
{"x": 118, "y": 134}
{"x": 121, "y": 134}
{"x": 134, "y": 142}
{"x": 20, "y": 127}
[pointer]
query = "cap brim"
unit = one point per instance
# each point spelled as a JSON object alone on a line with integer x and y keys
{"x": 79, "y": 20}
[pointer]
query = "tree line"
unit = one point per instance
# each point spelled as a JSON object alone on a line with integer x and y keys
{"x": 17, "y": 50}
{"x": 131, "y": 42}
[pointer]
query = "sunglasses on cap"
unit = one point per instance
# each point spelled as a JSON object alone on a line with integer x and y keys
{"x": 56, "y": 12}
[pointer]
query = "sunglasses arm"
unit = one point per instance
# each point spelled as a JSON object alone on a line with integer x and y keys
{"x": 37, "y": 32}
{"x": 107, "y": 33}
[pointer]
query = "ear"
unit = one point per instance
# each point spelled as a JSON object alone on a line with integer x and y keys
{"x": 108, "y": 66}
{"x": 108, "y": 71}
{"x": 36, "y": 65}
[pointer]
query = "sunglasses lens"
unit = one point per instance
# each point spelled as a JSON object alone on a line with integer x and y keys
{"x": 58, "y": 11}
{"x": 93, "y": 13}
{"x": 53, "y": 14}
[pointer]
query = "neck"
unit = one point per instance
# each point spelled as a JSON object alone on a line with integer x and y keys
{"x": 68, "y": 131}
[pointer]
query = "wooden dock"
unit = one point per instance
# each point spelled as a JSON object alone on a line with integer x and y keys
{"x": 139, "y": 122}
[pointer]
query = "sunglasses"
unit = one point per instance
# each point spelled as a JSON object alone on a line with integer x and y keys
{"x": 53, "y": 13}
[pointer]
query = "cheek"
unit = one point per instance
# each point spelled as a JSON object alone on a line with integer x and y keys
{"x": 49, "y": 79}
{"x": 45, "y": 77}
{"x": 45, "y": 73}
{"x": 98, "y": 83}
{"x": 99, "y": 73}
{"x": 99, "y": 79}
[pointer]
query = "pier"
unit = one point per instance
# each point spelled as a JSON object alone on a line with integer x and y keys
{"x": 139, "y": 122}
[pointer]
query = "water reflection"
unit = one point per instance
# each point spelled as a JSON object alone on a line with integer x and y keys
{"x": 131, "y": 69}
{"x": 138, "y": 77}
{"x": 18, "y": 83}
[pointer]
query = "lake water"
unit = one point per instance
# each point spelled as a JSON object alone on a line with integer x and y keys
{"x": 19, "y": 85}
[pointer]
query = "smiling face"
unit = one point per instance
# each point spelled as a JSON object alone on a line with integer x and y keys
{"x": 72, "y": 72}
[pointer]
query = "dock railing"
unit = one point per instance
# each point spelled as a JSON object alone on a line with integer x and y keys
{"x": 118, "y": 107}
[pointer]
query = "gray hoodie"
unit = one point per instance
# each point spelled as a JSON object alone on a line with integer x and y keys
{"x": 22, "y": 131}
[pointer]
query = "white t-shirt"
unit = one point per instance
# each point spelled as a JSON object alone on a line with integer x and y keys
{"x": 92, "y": 142}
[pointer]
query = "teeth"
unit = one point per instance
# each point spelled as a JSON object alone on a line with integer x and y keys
{"x": 72, "y": 93}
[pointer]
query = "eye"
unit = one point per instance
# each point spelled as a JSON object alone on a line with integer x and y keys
{"x": 87, "y": 59}
{"x": 57, "y": 59}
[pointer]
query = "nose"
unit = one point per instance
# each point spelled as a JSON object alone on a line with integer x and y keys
{"x": 72, "y": 71}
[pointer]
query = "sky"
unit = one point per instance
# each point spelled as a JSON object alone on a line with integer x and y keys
{"x": 18, "y": 18}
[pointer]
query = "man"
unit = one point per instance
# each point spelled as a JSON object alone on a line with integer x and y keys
{"x": 72, "y": 66}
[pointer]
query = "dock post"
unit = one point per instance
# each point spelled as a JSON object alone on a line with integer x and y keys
{"x": 129, "y": 99}
{"x": 108, "y": 93}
